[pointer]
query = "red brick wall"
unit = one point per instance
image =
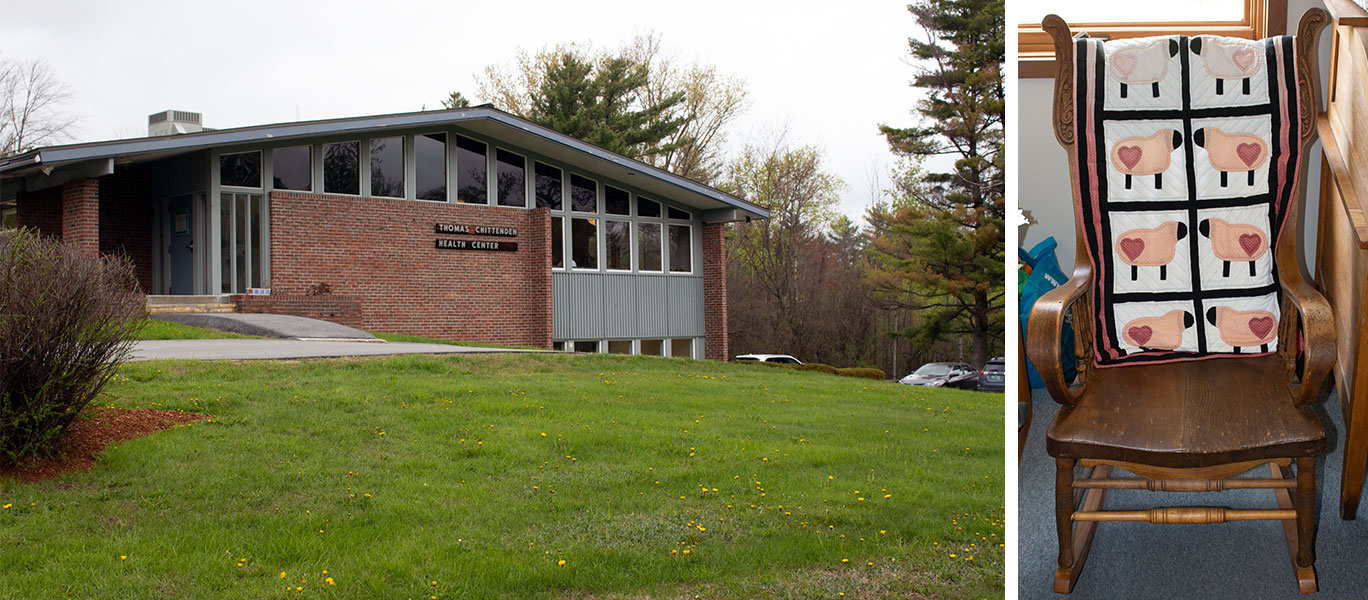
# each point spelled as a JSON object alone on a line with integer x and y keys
{"x": 344, "y": 310}
{"x": 81, "y": 214}
{"x": 382, "y": 252}
{"x": 715, "y": 291}
{"x": 42, "y": 210}
{"x": 127, "y": 220}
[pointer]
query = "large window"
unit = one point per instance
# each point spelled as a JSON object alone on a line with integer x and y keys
{"x": 241, "y": 243}
{"x": 240, "y": 169}
{"x": 616, "y": 201}
{"x": 680, "y": 249}
{"x": 9, "y": 216}
{"x": 1249, "y": 19}
{"x": 682, "y": 348}
{"x": 512, "y": 178}
{"x": 583, "y": 194}
{"x": 617, "y": 242}
{"x": 647, "y": 208}
{"x": 548, "y": 187}
{"x": 430, "y": 168}
{"x": 472, "y": 179}
{"x": 619, "y": 346}
{"x": 342, "y": 168}
{"x": 387, "y": 167}
{"x": 648, "y": 247}
{"x": 558, "y": 242}
{"x": 584, "y": 243}
{"x": 292, "y": 168}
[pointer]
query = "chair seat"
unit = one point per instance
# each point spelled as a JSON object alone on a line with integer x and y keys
{"x": 1188, "y": 414}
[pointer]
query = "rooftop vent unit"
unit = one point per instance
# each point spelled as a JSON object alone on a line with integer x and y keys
{"x": 171, "y": 122}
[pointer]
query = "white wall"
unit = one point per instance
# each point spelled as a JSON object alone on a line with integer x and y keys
{"x": 1043, "y": 168}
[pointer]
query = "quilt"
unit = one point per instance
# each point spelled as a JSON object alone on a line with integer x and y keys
{"x": 1188, "y": 157}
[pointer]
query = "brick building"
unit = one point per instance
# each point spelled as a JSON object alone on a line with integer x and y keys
{"x": 468, "y": 224}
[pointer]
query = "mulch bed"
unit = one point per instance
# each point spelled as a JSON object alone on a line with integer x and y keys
{"x": 97, "y": 428}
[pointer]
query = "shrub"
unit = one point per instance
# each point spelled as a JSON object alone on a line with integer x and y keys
{"x": 66, "y": 319}
{"x": 828, "y": 369}
{"x": 865, "y": 372}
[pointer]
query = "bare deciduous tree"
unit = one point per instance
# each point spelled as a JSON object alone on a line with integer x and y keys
{"x": 31, "y": 99}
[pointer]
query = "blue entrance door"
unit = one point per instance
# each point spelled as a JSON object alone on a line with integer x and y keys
{"x": 182, "y": 247}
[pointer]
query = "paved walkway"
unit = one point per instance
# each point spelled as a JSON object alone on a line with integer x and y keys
{"x": 236, "y": 349}
{"x": 266, "y": 325}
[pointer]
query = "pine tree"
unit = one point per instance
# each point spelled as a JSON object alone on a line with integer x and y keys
{"x": 938, "y": 248}
{"x": 602, "y": 105}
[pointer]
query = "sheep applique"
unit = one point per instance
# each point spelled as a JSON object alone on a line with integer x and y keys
{"x": 1232, "y": 242}
{"x": 1164, "y": 332}
{"x": 1150, "y": 247}
{"x": 1146, "y": 155}
{"x": 1226, "y": 60}
{"x": 1142, "y": 65}
{"x": 1232, "y": 152}
{"x": 1243, "y": 327}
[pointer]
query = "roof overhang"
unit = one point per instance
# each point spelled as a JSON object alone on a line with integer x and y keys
{"x": 35, "y": 169}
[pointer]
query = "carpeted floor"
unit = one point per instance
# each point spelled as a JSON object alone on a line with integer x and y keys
{"x": 1231, "y": 560}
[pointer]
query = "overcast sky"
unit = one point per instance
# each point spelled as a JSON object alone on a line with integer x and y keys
{"x": 828, "y": 71}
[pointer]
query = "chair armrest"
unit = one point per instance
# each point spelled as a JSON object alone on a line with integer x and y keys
{"x": 1045, "y": 327}
{"x": 1317, "y": 330}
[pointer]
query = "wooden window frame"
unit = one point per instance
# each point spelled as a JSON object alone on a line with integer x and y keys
{"x": 1261, "y": 19}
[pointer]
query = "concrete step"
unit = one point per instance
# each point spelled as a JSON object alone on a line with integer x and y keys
{"x": 206, "y": 299}
{"x": 166, "y": 309}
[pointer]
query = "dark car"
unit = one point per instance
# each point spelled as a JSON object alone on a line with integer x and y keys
{"x": 993, "y": 377}
{"x": 944, "y": 374}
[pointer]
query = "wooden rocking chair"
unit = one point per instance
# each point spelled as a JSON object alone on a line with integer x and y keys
{"x": 1188, "y": 426}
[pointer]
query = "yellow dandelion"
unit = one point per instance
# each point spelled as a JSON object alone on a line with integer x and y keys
{"x": 560, "y": 563}
{"x": 282, "y": 574}
{"x": 122, "y": 557}
{"x": 845, "y": 560}
{"x": 330, "y": 581}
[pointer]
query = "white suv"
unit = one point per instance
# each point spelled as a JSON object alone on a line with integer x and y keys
{"x": 782, "y": 359}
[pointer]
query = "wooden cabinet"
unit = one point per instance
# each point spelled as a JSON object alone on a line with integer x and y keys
{"x": 1342, "y": 241}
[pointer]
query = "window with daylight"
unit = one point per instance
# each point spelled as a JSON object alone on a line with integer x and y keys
{"x": 583, "y": 194}
{"x": 430, "y": 166}
{"x": 653, "y": 347}
{"x": 617, "y": 240}
{"x": 1248, "y": 19}
{"x": 342, "y": 168}
{"x": 472, "y": 178}
{"x": 240, "y": 169}
{"x": 680, "y": 248}
{"x": 512, "y": 178}
{"x": 647, "y": 208}
{"x": 548, "y": 187}
{"x": 387, "y": 167}
{"x": 616, "y": 201}
{"x": 292, "y": 168}
{"x": 557, "y": 242}
{"x": 648, "y": 247}
{"x": 584, "y": 243}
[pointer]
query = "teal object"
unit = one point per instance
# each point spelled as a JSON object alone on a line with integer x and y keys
{"x": 1045, "y": 276}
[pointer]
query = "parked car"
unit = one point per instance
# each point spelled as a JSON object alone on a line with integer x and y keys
{"x": 993, "y": 377}
{"x": 782, "y": 359}
{"x": 944, "y": 374}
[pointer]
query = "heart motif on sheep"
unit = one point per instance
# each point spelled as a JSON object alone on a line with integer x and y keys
{"x": 1132, "y": 247}
{"x": 1249, "y": 152}
{"x": 1141, "y": 334}
{"x": 1129, "y": 155}
{"x": 1250, "y": 242}
{"x": 1243, "y": 59}
{"x": 1125, "y": 64}
{"x": 1260, "y": 326}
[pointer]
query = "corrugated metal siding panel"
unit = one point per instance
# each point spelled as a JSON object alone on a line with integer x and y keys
{"x": 180, "y": 175}
{"x": 619, "y": 306}
{"x": 597, "y": 306}
{"x": 686, "y": 306}
{"x": 653, "y": 306}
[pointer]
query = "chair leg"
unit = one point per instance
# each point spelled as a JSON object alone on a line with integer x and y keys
{"x": 1306, "y": 522}
{"x": 1355, "y": 460}
{"x": 1074, "y": 542}
{"x": 1064, "y": 507}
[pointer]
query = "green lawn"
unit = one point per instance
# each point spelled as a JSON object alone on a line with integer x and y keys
{"x": 474, "y": 476}
{"x": 166, "y": 330}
